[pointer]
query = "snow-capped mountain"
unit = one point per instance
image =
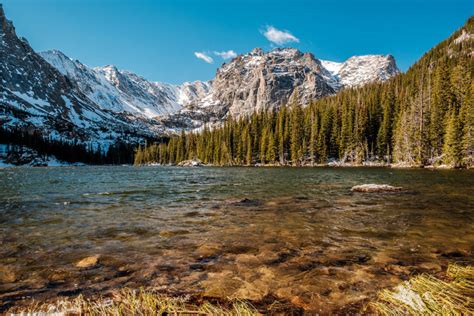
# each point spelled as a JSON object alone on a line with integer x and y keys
{"x": 359, "y": 70}
{"x": 64, "y": 98}
{"x": 250, "y": 82}
{"x": 36, "y": 96}
{"x": 124, "y": 91}
{"x": 259, "y": 80}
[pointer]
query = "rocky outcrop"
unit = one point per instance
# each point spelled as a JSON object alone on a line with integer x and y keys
{"x": 259, "y": 80}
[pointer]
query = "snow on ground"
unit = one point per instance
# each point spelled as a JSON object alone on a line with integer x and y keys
{"x": 5, "y": 165}
{"x": 36, "y": 159}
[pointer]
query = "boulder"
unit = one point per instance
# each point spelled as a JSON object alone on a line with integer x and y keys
{"x": 190, "y": 163}
{"x": 375, "y": 188}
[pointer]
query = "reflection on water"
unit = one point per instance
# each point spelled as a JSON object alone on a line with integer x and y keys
{"x": 296, "y": 234}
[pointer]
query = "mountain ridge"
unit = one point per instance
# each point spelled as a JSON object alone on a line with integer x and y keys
{"x": 62, "y": 98}
{"x": 421, "y": 118}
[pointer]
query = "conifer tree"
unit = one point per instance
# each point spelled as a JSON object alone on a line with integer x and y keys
{"x": 452, "y": 144}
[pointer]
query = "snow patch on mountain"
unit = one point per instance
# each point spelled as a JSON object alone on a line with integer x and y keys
{"x": 360, "y": 70}
{"x": 123, "y": 91}
{"x": 332, "y": 66}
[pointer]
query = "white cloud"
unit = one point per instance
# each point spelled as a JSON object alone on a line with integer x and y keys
{"x": 279, "y": 37}
{"x": 201, "y": 55}
{"x": 226, "y": 55}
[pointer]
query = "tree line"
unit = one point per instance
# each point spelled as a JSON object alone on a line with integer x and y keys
{"x": 422, "y": 117}
{"x": 66, "y": 150}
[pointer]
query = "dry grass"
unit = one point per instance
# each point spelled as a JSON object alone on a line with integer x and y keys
{"x": 421, "y": 295}
{"x": 132, "y": 302}
{"x": 426, "y": 295}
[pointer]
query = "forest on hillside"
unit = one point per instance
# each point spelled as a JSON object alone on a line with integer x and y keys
{"x": 70, "y": 151}
{"x": 422, "y": 117}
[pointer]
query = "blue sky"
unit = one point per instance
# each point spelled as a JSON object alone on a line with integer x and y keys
{"x": 159, "y": 39}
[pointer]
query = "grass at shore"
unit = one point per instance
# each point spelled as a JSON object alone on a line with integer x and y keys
{"x": 427, "y": 295}
{"x": 136, "y": 302}
{"x": 421, "y": 295}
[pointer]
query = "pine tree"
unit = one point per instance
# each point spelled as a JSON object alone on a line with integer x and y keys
{"x": 453, "y": 141}
{"x": 384, "y": 137}
{"x": 440, "y": 106}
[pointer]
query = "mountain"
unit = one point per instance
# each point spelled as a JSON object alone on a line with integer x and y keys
{"x": 61, "y": 98}
{"x": 36, "y": 96}
{"x": 124, "y": 91}
{"x": 360, "y": 70}
{"x": 259, "y": 80}
{"x": 249, "y": 83}
{"x": 424, "y": 117}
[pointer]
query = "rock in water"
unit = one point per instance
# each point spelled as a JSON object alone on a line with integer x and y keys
{"x": 88, "y": 262}
{"x": 375, "y": 188}
{"x": 7, "y": 274}
{"x": 244, "y": 202}
{"x": 190, "y": 163}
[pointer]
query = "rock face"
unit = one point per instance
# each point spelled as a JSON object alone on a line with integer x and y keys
{"x": 258, "y": 81}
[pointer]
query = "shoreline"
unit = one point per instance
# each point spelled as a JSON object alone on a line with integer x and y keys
{"x": 382, "y": 166}
{"x": 445, "y": 291}
{"x": 328, "y": 165}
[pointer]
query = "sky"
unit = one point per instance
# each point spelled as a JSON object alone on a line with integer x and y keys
{"x": 185, "y": 40}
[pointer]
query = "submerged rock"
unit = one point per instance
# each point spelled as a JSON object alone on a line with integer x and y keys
{"x": 375, "y": 188}
{"x": 7, "y": 274}
{"x": 88, "y": 262}
{"x": 244, "y": 202}
{"x": 172, "y": 233}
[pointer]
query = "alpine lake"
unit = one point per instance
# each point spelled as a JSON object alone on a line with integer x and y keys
{"x": 296, "y": 236}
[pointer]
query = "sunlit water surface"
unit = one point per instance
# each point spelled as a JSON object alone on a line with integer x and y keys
{"x": 293, "y": 234}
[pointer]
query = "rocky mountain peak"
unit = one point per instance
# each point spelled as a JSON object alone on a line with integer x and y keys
{"x": 359, "y": 70}
{"x": 286, "y": 52}
{"x": 267, "y": 80}
{"x": 7, "y": 28}
{"x": 111, "y": 73}
{"x": 257, "y": 51}
{"x": 124, "y": 91}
